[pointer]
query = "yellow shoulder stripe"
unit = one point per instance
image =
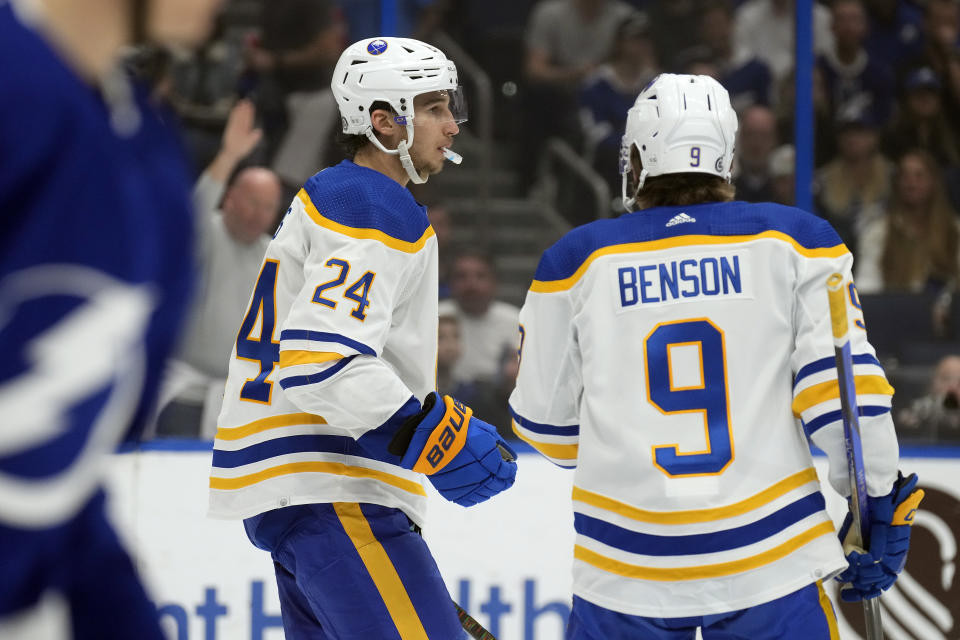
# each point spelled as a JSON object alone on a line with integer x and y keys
{"x": 670, "y": 574}
{"x": 360, "y": 232}
{"x": 550, "y": 286}
{"x": 697, "y": 515}
{"x": 273, "y": 422}
{"x": 830, "y": 390}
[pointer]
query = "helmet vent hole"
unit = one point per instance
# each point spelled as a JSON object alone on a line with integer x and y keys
{"x": 407, "y": 49}
{"x": 643, "y": 147}
{"x": 655, "y": 134}
{"x": 709, "y": 108}
{"x": 357, "y": 62}
{"x": 684, "y": 102}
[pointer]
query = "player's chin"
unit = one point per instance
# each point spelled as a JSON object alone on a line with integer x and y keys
{"x": 430, "y": 168}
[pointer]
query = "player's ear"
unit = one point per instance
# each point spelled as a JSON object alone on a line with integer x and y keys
{"x": 383, "y": 123}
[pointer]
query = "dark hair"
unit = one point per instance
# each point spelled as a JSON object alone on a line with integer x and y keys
{"x": 351, "y": 143}
{"x": 683, "y": 189}
{"x": 475, "y": 252}
{"x": 680, "y": 189}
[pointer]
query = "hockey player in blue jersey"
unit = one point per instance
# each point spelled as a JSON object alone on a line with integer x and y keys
{"x": 330, "y": 420}
{"x": 95, "y": 271}
{"x": 680, "y": 358}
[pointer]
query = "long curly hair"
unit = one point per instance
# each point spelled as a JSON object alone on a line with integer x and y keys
{"x": 922, "y": 244}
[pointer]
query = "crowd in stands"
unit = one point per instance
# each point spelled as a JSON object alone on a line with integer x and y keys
{"x": 886, "y": 95}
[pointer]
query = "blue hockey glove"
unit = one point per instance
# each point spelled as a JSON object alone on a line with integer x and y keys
{"x": 888, "y": 533}
{"x": 464, "y": 457}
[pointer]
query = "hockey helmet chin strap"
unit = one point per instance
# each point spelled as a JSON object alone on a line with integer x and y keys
{"x": 632, "y": 200}
{"x": 402, "y": 150}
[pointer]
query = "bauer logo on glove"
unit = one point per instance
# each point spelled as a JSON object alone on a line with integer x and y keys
{"x": 465, "y": 458}
{"x": 447, "y": 440}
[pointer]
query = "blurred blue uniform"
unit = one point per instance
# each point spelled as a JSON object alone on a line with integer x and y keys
{"x": 95, "y": 271}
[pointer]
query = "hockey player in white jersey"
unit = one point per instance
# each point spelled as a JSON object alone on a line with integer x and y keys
{"x": 680, "y": 357}
{"x": 329, "y": 418}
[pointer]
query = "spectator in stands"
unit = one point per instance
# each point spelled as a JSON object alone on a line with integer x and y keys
{"x": 782, "y": 174}
{"x": 294, "y": 55}
{"x": 855, "y": 83}
{"x": 941, "y": 51}
{"x": 232, "y": 243}
{"x": 914, "y": 245}
{"x": 935, "y": 417}
{"x": 449, "y": 349}
{"x": 204, "y": 84}
{"x": 757, "y": 139}
{"x": 439, "y": 217}
{"x": 671, "y": 18}
{"x": 746, "y": 77}
{"x": 765, "y": 29}
{"x": 492, "y": 395}
{"x": 488, "y": 326}
{"x": 921, "y": 121}
{"x": 824, "y": 126}
{"x": 611, "y": 90}
{"x": 856, "y": 183}
{"x": 895, "y": 31}
{"x": 566, "y": 40}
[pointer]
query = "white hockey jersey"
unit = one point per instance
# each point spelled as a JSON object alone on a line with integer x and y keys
{"x": 340, "y": 332}
{"x": 679, "y": 358}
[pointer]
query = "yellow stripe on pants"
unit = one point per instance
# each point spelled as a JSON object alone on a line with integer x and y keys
{"x": 828, "y": 612}
{"x": 382, "y": 571}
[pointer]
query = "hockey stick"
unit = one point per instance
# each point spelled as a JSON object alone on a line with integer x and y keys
{"x": 851, "y": 436}
{"x": 471, "y": 626}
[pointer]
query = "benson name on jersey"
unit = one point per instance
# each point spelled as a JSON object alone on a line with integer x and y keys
{"x": 682, "y": 279}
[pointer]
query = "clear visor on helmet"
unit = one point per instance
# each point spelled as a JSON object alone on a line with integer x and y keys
{"x": 437, "y": 107}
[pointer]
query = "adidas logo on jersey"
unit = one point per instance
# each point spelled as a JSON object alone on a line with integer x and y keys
{"x": 680, "y": 218}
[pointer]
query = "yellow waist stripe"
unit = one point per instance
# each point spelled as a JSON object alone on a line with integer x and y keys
{"x": 337, "y": 468}
{"x": 830, "y": 390}
{"x": 548, "y": 286}
{"x": 558, "y": 451}
{"x": 263, "y": 424}
{"x": 697, "y": 515}
{"x": 705, "y": 571}
{"x": 363, "y": 233}
{"x": 292, "y": 358}
{"x": 382, "y": 571}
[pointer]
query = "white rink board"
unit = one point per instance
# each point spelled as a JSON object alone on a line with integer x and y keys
{"x": 506, "y": 561}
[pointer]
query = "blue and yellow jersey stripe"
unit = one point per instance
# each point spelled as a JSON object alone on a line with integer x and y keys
{"x": 564, "y": 264}
{"x": 558, "y": 443}
{"x": 367, "y": 205}
{"x": 704, "y": 571}
{"x": 816, "y": 391}
{"x": 714, "y": 542}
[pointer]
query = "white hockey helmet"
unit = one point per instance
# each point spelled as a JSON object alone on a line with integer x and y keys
{"x": 679, "y": 124}
{"x": 393, "y": 70}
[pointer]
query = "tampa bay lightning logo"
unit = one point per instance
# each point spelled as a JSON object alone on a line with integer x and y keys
{"x": 376, "y": 47}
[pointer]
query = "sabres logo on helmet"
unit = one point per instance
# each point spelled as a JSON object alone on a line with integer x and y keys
{"x": 376, "y": 47}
